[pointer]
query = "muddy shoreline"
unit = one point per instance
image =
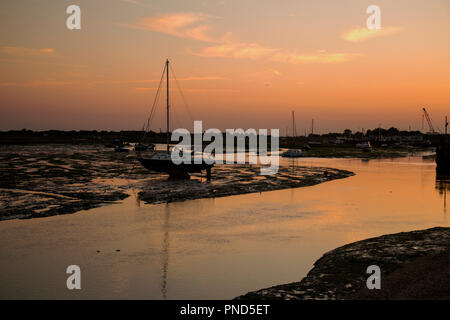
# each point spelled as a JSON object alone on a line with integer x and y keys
{"x": 228, "y": 180}
{"x": 414, "y": 265}
{"x": 46, "y": 180}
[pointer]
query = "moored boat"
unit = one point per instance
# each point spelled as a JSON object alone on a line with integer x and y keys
{"x": 161, "y": 161}
{"x": 144, "y": 147}
{"x": 121, "y": 149}
{"x": 365, "y": 146}
{"x": 293, "y": 153}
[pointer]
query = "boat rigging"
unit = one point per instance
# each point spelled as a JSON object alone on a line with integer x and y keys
{"x": 158, "y": 161}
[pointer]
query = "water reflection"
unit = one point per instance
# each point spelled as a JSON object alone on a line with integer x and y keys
{"x": 219, "y": 247}
{"x": 165, "y": 252}
{"x": 442, "y": 185}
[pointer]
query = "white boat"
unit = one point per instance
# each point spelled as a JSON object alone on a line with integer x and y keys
{"x": 366, "y": 146}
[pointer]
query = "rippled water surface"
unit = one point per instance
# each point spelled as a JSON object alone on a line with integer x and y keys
{"x": 217, "y": 248}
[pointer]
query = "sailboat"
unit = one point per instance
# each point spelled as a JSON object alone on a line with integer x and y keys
{"x": 293, "y": 153}
{"x": 162, "y": 161}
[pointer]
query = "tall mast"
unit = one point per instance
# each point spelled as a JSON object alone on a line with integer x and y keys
{"x": 167, "y": 108}
{"x": 293, "y": 124}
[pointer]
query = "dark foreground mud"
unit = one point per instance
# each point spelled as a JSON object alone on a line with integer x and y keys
{"x": 46, "y": 180}
{"x": 414, "y": 265}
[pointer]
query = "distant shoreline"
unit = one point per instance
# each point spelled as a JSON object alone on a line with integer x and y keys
{"x": 342, "y": 143}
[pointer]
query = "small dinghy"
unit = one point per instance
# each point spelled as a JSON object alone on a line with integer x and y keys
{"x": 144, "y": 147}
{"x": 121, "y": 149}
{"x": 293, "y": 153}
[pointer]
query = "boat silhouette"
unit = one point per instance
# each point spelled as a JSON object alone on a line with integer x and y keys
{"x": 157, "y": 161}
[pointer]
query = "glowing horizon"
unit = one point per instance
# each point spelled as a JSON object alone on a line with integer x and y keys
{"x": 240, "y": 64}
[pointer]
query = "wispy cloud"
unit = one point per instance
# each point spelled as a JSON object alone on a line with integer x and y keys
{"x": 21, "y": 52}
{"x": 140, "y": 3}
{"x": 206, "y": 78}
{"x": 144, "y": 89}
{"x": 87, "y": 82}
{"x": 275, "y": 72}
{"x": 144, "y": 81}
{"x": 196, "y": 26}
{"x": 237, "y": 50}
{"x": 37, "y": 83}
{"x": 209, "y": 90}
{"x": 46, "y": 50}
{"x": 255, "y": 51}
{"x": 319, "y": 57}
{"x": 184, "y": 25}
{"x": 360, "y": 34}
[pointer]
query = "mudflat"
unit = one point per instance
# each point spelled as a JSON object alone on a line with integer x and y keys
{"x": 50, "y": 179}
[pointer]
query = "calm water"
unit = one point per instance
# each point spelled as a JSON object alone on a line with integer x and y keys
{"x": 217, "y": 248}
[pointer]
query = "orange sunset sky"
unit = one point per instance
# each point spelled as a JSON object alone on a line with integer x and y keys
{"x": 240, "y": 63}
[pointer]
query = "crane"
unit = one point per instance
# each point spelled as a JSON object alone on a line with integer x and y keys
{"x": 430, "y": 122}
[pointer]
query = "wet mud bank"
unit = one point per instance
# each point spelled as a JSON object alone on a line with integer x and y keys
{"x": 228, "y": 180}
{"x": 414, "y": 265}
{"x": 45, "y": 180}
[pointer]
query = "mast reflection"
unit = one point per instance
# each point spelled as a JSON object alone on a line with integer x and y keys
{"x": 165, "y": 252}
{"x": 443, "y": 185}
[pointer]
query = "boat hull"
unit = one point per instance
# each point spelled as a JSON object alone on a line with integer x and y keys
{"x": 292, "y": 156}
{"x": 174, "y": 170}
{"x": 292, "y": 153}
